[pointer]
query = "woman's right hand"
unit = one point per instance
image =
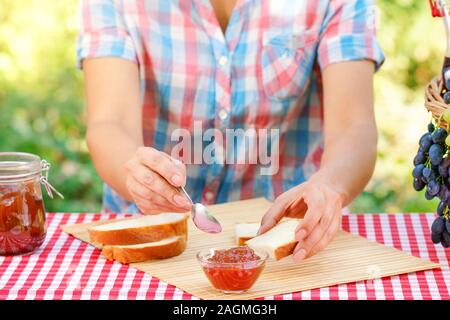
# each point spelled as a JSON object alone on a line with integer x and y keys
{"x": 152, "y": 178}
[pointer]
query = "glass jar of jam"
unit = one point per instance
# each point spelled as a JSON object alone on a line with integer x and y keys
{"x": 22, "y": 212}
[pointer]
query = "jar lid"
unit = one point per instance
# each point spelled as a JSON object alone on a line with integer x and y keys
{"x": 16, "y": 165}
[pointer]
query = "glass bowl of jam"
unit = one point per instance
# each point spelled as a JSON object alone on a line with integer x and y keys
{"x": 232, "y": 269}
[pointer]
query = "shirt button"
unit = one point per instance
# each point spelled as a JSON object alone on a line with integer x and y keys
{"x": 223, "y": 114}
{"x": 209, "y": 195}
{"x": 223, "y": 60}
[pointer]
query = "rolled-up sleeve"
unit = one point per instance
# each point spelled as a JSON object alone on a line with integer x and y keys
{"x": 103, "y": 32}
{"x": 349, "y": 33}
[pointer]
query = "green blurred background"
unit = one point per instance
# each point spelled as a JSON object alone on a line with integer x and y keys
{"x": 42, "y": 107}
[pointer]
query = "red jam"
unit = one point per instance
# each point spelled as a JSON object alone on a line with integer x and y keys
{"x": 22, "y": 221}
{"x": 235, "y": 269}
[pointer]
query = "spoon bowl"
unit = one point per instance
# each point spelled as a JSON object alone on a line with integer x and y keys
{"x": 204, "y": 220}
{"x": 201, "y": 217}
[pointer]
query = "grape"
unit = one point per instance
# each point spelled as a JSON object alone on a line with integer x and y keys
{"x": 443, "y": 167}
{"x": 435, "y": 170}
{"x": 439, "y": 135}
{"x": 436, "y": 152}
{"x": 417, "y": 172}
{"x": 447, "y": 97}
{"x": 446, "y": 196}
{"x": 447, "y": 141}
{"x": 424, "y": 180}
{"x": 444, "y": 193}
{"x": 428, "y": 196}
{"x": 446, "y": 163}
{"x": 448, "y": 201}
{"x": 436, "y": 238}
{"x": 438, "y": 225}
{"x": 431, "y": 127}
{"x": 446, "y": 77}
{"x": 433, "y": 188}
{"x": 445, "y": 241}
{"x": 418, "y": 184}
{"x": 443, "y": 172}
{"x": 428, "y": 174}
{"x": 425, "y": 142}
{"x": 447, "y": 182}
{"x": 447, "y": 114}
{"x": 420, "y": 158}
{"x": 441, "y": 207}
{"x": 447, "y": 225}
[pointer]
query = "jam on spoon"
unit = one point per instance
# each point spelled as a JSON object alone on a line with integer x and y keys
{"x": 201, "y": 216}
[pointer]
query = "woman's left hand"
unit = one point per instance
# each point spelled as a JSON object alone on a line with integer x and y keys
{"x": 320, "y": 207}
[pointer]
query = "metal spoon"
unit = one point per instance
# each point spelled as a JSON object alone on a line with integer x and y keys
{"x": 201, "y": 216}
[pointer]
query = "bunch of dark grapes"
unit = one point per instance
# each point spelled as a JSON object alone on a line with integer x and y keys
{"x": 432, "y": 171}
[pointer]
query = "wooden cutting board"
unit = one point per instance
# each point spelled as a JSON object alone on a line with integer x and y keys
{"x": 348, "y": 258}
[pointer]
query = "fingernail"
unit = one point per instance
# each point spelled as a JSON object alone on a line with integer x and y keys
{"x": 299, "y": 255}
{"x": 180, "y": 200}
{"x": 176, "y": 179}
{"x": 301, "y": 235}
{"x": 259, "y": 231}
{"x": 178, "y": 162}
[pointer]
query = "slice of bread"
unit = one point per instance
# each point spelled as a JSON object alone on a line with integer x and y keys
{"x": 245, "y": 231}
{"x": 166, "y": 248}
{"x": 142, "y": 229}
{"x": 278, "y": 242}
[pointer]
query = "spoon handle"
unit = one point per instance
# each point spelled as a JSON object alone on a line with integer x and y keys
{"x": 181, "y": 189}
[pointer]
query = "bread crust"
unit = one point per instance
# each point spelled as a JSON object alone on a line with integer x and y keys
{"x": 139, "y": 235}
{"x": 241, "y": 240}
{"x": 128, "y": 255}
{"x": 285, "y": 250}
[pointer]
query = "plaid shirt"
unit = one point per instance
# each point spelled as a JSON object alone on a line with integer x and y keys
{"x": 264, "y": 72}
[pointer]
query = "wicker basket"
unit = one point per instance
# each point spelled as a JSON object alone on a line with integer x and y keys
{"x": 434, "y": 101}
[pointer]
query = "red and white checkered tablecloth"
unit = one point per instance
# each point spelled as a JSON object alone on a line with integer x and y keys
{"x": 66, "y": 268}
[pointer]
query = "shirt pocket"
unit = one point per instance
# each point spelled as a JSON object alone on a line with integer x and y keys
{"x": 286, "y": 62}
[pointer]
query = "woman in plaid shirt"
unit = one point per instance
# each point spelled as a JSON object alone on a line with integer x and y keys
{"x": 304, "y": 68}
